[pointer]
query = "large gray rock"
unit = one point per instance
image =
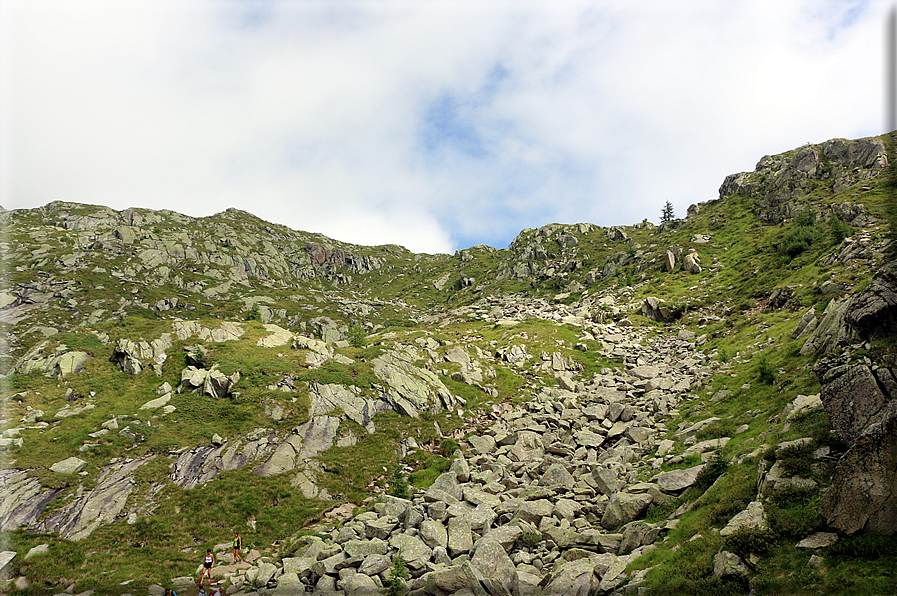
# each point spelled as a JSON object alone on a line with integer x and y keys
{"x": 359, "y": 585}
{"x": 200, "y": 464}
{"x": 676, "y": 480}
{"x": 72, "y": 465}
{"x": 491, "y": 560}
{"x": 306, "y": 441}
{"x": 873, "y": 312}
{"x": 556, "y": 475}
{"x": 364, "y": 548}
{"x": 375, "y": 564}
{"x": 532, "y": 512}
{"x": 852, "y": 396}
{"x": 863, "y": 496}
{"x": 211, "y": 382}
{"x": 831, "y": 332}
{"x": 6, "y": 558}
{"x": 754, "y": 516}
{"x": 264, "y": 574}
{"x": 608, "y": 481}
{"x": 410, "y": 389}
{"x": 505, "y": 535}
{"x": 574, "y": 578}
{"x": 624, "y": 507}
{"x": 227, "y": 331}
{"x": 433, "y": 533}
{"x": 460, "y": 538}
{"x": 727, "y": 565}
{"x": 278, "y": 336}
{"x": 450, "y": 580}
{"x": 328, "y": 398}
{"x": 60, "y": 362}
{"x": 411, "y": 550}
{"x": 448, "y": 483}
{"x": 283, "y": 459}
{"x": 655, "y": 309}
{"x": 132, "y": 356}
{"x": 692, "y": 262}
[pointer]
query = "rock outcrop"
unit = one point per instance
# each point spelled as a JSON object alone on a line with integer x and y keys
{"x": 78, "y": 519}
{"x": 861, "y": 401}
{"x": 873, "y": 312}
{"x": 777, "y": 180}
{"x": 410, "y": 389}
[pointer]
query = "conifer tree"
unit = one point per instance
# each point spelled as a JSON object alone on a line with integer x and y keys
{"x": 666, "y": 213}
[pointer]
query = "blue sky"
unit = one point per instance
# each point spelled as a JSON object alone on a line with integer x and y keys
{"x": 432, "y": 124}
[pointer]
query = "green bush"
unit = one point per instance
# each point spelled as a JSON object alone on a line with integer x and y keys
{"x": 806, "y": 218}
{"x": 864, "y": 547}
{"x": 395, "y": 579}
{"x": 798, "y": 242}
{"x": 766, "y": 373}
{"x": 794, "y": 514}
{"x": 715, "y": 468}
{"x": 838, "y": 230}
{"x": 398, "y": 485}
{"x": 750, "y": 540}
{"x": 255, "y": 313}
{"x": 425, "y": 477}
{"x": 448, "y": 447}
{"x": 358, "y": 337}
{"x": 797, "y": 459}
{"x": 723, "y": 428}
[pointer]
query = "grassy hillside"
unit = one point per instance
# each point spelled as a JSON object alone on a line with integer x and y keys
{"x": 81, "y": 277}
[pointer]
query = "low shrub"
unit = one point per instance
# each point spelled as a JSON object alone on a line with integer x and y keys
{"x": 715, "y": 468}
{"x": 798, "y": 242}
{"x": 794, "y": 514}
{"x": 750, "y": 540}
{"x": 395, "y": 579}
{"x": 448, "y": 447}
{"x": 838, "y": 230}
{"x": 358, "y": 337}
{"x": 806, "y": 218}
{"x": 766, "y": 373}
{"x": 398, "y": 485}
{"x": 255, "y": 313}
{"x": 797, "y": 459}
{"x": 864, "y": 547}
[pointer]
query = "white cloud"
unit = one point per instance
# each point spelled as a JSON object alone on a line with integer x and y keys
{"x": 434, "y": 125}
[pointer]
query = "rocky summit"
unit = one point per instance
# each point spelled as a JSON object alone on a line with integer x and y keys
{"x": 703, "y": 406}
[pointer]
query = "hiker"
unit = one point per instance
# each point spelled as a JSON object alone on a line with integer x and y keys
{"x": 207, "y": 566}
{"x": 238, "y": 544}
{"x": 202, "y": 592}
{"x": 170, "y": 592}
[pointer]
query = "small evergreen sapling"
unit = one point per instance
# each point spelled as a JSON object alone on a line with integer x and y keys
{"x": 395, "y": 579}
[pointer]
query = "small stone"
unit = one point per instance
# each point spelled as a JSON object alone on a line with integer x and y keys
{"x": 72, "y": 465}
{"x": 818, "y": 540}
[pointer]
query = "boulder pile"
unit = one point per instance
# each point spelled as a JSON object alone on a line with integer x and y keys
{"x": 548, "y": 497}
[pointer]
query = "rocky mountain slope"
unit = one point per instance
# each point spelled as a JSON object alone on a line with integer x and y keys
{"x": 703, "y": 406}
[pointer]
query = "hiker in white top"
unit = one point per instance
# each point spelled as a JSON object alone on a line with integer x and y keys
{"x": 207, "y": 566}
